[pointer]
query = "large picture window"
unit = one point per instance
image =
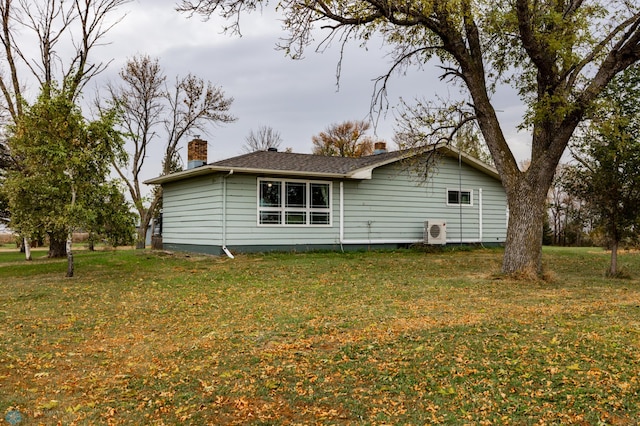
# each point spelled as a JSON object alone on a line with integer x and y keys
{"x": 293, "y": 202}
{"x": 456, "y": 197}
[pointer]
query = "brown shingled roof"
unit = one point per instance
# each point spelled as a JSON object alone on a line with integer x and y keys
{"x": 309, "y": 165}
{"x": 287, "y": 161}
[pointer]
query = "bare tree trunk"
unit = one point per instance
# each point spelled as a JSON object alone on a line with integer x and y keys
{"x": 613, "y": 267}
{"x": 141, "y": 241}
{"x": 69, "y": 256}
{"x": 523, "y": 251}
{"x": 27, "y": 248}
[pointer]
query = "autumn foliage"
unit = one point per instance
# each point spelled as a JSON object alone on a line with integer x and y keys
{"x": 374, "y": 338}
{"x": 347, "y": 139}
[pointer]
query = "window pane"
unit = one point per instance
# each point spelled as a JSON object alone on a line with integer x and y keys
{"x": 270, "y": 218}
{"x": 453, "y": 197}
{"x": 320, "y": 218}
{"x": 296, "y": 194}
{"x": 270, "y": 194}
{"x": 320, "y": 195}
{"x": 296, "y": 218}
{"x": 465, "y": 197}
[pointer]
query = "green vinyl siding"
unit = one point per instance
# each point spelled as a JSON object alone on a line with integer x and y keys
{"x": 395, "y": 203}
{"x": 192, "y": 211}
{"x": 389, "y": 208}
{"x": 242, "y": 220}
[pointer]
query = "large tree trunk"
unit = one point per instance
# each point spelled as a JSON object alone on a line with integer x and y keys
{"x": 523, "y": 250}
{"x": 57, "y": 247}
{"x": 141, "y": 240}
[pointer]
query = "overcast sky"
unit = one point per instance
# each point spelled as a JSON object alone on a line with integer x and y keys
{"x": 299, "y": 98}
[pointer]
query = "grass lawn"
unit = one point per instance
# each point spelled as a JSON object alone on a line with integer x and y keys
{"x": 371, "y": 338}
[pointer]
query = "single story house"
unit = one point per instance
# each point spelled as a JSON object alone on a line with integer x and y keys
{"x": 281, "y": 201}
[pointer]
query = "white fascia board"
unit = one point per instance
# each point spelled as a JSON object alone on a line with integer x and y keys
{"x": 362, "y": 173}
{"x": 198, "y": 171}
{"x": 208, "y": 169}
{"x": 367, "y": 172}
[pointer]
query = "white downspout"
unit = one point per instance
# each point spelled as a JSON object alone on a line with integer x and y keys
{"x": 480, "y": 213}
{"x": 224, "y": 215}
{"x": 341, "y": 237}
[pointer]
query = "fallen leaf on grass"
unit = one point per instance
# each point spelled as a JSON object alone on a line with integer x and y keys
{"x": 48, "y": 405}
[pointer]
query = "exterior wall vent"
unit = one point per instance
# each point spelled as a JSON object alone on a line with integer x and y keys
{"x": 435, "y": 232}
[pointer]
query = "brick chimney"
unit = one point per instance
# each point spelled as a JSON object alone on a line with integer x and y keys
{"x": 379, "y": 148}
{"x": 196, "y": 153}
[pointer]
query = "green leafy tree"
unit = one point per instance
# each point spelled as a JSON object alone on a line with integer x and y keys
{"x": 42, "y": 42}
{"x": 558, "y": 54}
{"x": 346, "y": 139}
{"x": 112, "y": 218}
{"x": 63, "y": 161}
{"x": 607, "y": 173}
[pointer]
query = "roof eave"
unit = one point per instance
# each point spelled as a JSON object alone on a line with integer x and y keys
{"x": 360, "y": 174}
{"x": 363, "y": 173}
{"x": 474, "y": 162}
{"x": 210, "y": 169}
{"x": 198, "y": 171}
{"x": 367, "y": 172}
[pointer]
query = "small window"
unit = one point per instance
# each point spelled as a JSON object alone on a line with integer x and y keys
{"x": 455, "y": 197}
{"x": 320, "y": 195}
{"x": 320, "y": 218}
{"x": 269, "y": 193}
{"x": 269, "y": 218}
{"x": 296, "y": 218}
{"x": 296, "y": 194}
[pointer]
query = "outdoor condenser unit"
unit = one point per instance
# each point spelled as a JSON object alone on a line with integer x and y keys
{"x": 435, "y": 232}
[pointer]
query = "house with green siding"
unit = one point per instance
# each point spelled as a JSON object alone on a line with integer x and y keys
{"x": 281, "y": 201}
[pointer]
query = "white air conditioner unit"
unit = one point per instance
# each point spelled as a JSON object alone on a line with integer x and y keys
{"x": 435, "y": 232}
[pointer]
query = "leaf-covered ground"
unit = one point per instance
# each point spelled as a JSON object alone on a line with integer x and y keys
{"x": 371, "y": 338}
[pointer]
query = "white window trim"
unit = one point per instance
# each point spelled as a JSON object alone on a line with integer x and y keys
{"x": 470, "y": 191}
{"x": 282, "y": 209}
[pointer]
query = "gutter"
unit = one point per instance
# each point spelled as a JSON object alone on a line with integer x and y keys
{"x": 209, "y": 169}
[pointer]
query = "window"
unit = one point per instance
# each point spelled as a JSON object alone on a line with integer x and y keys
{"x": 293, "y": 202}
{"x": 455, "y": 197}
